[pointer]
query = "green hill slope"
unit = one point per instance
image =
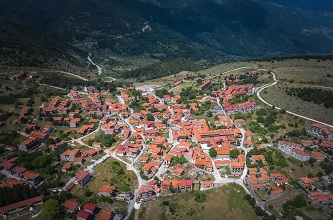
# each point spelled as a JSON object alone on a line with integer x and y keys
{"x": 27, "y": 47}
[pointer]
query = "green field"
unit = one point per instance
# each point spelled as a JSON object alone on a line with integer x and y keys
{"x": 105, "y": 174}
{"x": 226, "y": 202}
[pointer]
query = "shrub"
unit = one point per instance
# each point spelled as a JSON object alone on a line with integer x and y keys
{"x": 165, "y": 203}
{"x": 200, "y": 197}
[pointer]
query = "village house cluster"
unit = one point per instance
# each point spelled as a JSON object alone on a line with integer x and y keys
{"x": 260, "y": 179}
{"x": 319, "y": 198}
{"x": 170, "y": 149}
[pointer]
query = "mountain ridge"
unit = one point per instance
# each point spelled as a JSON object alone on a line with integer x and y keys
{"x": 137, "y": 33}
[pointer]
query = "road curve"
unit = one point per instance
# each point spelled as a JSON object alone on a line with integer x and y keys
{"x": 289, "y": 112}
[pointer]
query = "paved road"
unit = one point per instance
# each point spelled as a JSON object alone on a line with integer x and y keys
{"x": 289, "y": 112}
{"x": 130, "y": 166}
{"x": 90, "y": 168}
{"x": 79, "y": 140}
{"x": 239, "y": 181}
{"x": 219, "y": 104}
{"x": 120, "y": 99}
{"x": 140, "y": 181}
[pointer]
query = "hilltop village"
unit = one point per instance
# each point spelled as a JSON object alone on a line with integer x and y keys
{"x": 100, "y": 154}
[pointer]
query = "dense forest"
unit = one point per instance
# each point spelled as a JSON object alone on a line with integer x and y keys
{"x": 162, "y": 69}
{"x": 315, "y": 95}
{"x": 16, "y": 194}
{"x": 25, "y": 46}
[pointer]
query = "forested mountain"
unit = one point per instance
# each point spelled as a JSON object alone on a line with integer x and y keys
{"x": 135, "y": 33}
{"x": 25, "y": 46}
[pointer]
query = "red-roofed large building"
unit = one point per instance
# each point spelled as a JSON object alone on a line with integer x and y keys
{"x": 307, "y": 182}
{"x": 327, "y": 144}
{"x": 236, "y": 168}
{"x": 207, "y": 184}
{"x": 66, "y": 167}
{"x": 288, "y": 146}
{"x": 75, "y": 122}
{"x": 293, "y": 149}
{"x": 205, "y": 85}
{"x": 29, "y": 144}
{"x": 18, "y": 170}
{"x": 186, "y": 184}
{"x": 31, "y": 176}
{"x": 320, "y": 131}
{"x": 21, "y": 204}
{"x": 300, "y": 155}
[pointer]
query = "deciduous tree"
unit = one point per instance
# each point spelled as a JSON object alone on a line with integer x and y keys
{"x": 51, "y": 209}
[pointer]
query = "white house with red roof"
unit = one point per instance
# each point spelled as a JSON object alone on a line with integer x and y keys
{"x": 256, "y": 158}
{"x": 82, "y": 177}
{"x": 107, "y": 190}
{"x": 319, "y": 156}
{"x": 300, "y": 155}
{"x": 90, "y": 207}
{"x": 146, "y": 192}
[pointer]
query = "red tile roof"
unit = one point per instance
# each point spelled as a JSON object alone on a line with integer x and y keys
{"x": 144, "y": 189}
{"x": 81, "y": 175}
{"x": 90, "y": 207}
{"x": 83, "y": 214}
{"x": 71, "y": 204}
{"x": 11, "y": 182}
{"x": 104, "y": 215}
{"x": 20, "y": 204}
{"x": 107, "y": 188}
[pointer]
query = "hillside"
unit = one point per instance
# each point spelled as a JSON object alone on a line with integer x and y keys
{"x": 132, "y": 34}
{"x": 162, "y": 69}
{"x": 26, "y": 47}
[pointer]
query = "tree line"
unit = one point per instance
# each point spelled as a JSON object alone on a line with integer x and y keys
{"x": 162, "y": 69}
{"x": 15, "y": 194}
{"x": 318, "y": 96}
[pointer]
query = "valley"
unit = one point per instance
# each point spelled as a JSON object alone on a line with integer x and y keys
{"x": 207, "y": 32}
{"x": 151, "y": 109}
